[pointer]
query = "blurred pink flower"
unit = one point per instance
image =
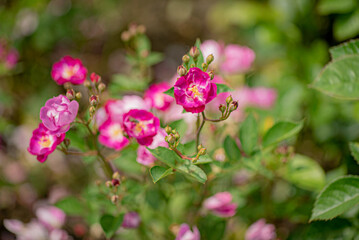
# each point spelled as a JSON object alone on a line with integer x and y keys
{"x": 194, "y": 90}
{"x": 31, "y": 231}
{"x": 112, "y": 135}
{"x": 69, "y": 69}
{"x": 237, "y": 59}
{"x": 185, "y": 233}
{"x": 142, "y": 125}
{"x": 261, "y": 231}
{"x": 144, "y": 156}
{"x": 95, "y": 77}
{"x": 221, "y": 204}
{"x": 131, "y": 220}
{"x": 155, "y": 97}
{"x": 11, "y": 58}
{"x": 58, "y": 114}
{"x": 15, "y": 172}
{"x": 43, "y": 142}
{"x": 51, "y": 217}
{"x": 212, "y": 47}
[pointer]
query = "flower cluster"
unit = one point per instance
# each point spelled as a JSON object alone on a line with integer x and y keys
{"x": 47, "y": 225}
{"x": 229, "y": 59}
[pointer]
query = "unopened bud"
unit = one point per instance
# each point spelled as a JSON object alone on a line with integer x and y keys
{"x": 229, "y": 99}
{"x": 168, "y": 129}
{"x": 199, "y": 147}
{"x": 125, "y": 36}
{"x": 114, "y": 199}
{"x": 171, "y": 139}
{"x": 78, "y": 95}
{"x": 94, "y": 100}
{"x": 204, "y": 66}
{"x": 181, "y": 70}
{"x": 95, "y": 78}
{"x": 92, "y": 109}
{"x": 194, "y": 52}
{"x": 101, "y": 87}
{"x": 185, "y": 59}
{"x": 192, "y": 65}
{"x": 209, "y": 59}
{"x": 87, "y": 83}
{"x": 132, "y": 28}
{"x": 222, "y": 108}
{"x": 211, "y": 75}
{"x": 203, "y": 151}
{"x": 176, "y": 135}
{"x": 174, "y": 131}
{"x": 145, "y": 53}
{"x": 116, "y": 175}
{"x": 233, "y": 106}
{"x": 67, "y": 142}
{"x": 115, "y": 182}
{"x": 67, "y": 85}
{"x": 70, "y": 94}
{"x": 108, "y": 184}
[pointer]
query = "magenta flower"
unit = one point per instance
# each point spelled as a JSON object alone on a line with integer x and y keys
{"x": 220, "y": 204}
{"x": 43, "y": 142}
{"x": 58, "y": 113}
{"x": 69, "y": 69}
{"x": 185, "y": 233}
{"x": 155, "y": 97}
{"x": 51, "y": 217}
{"x": 237, "y": 59}
{"x": 261, "y": 231}
{"x": 194, "y": 90}
{"x": 131, "y": 220}
{"x": 112, "y": 135}
{"x": 142, "y": 125}
{"x": 144, "y": 156}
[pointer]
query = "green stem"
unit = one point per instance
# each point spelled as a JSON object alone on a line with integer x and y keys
{"x": 199, "y": 129}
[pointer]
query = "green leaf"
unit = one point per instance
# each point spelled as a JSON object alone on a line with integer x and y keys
{"x": 170, "y": 92}
{"x": 354, "y": 149}
{"x": 340, "y": 78}
{"x": 204, "y": 159}
{"x": 121, "y": 82}
{"x": 71, "y": 206}
{"x": 336, "y": 198}
{"x": 348, "y": 48}
{"x": 154, "y": 58}
{"x": 346, "y": 26}
{"x": 212, "y": 227}
{"x": 193, "y": 171}
{"x": 223, "y": 88}
{"x": 334, "y": 6}
{"x": 180, "y": 125}
{"x": 158, "y": 172}
{"x": 305, "y": 172}
{"x": 143, "y": 43}
{"x": 248, "y": 134}
{"x": 110, "y": 224}
{"x": 166, "y": 156}
{"x": 231, "y": 148}
{"x": 281, "y": 131}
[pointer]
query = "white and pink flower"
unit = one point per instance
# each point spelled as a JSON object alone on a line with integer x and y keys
{"x": 185, "y": 233}
{"x": 261, "y": 231}
{"x": 69, "y": 69}
{"x": 112, "y": 135}
{"x": 221, "y": 204}
{"x": 155, "y": 97}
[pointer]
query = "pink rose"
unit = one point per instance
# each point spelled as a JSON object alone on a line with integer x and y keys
{"x": 144, "y": 156}
{"x": 142, "y": 125}
{"x": 237, "y": 59}
{"x": 194, "y": 90}
{"x": 220, "y": 204}
{"x": 131, "y": 220}
{"x": 69, "y": 69}
{"x": 51, "y": 217}
{"x": 185, "y": 233}
{"x": 155, "y": 97}
{"x": 112, "y": 135}
{"x": 261, "y": 231}
{"x": 58, "y": 113}
{"x": 43, "y": 142}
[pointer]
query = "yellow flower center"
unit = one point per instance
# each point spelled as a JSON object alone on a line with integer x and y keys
{"x": 195, "y": 91}
{"x": 70, "y": 71}
{"x": 45, "y": 142}
{"x": 138, "y": 128}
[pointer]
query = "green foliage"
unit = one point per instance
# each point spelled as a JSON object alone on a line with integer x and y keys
{"x": 348, "y": 48}
{"x": 334, "y": 6}
{"x": 305, "y": 173}
{"x": 281, "y": 131}
{"x": 110, "y": 224}
{"x": 336, "y": 198}
{"x": 212, "y": 228}
{"x": 346, "y": 26}
{"x": 354, "y": 149}
{"x": 231, "y": 148}
{"x": 223, "y": 88}
{"x": 165, "y": 155}
{"x": 170, "y": 92}
{"x": 71, "y": 206}
{"x": 248, "y": 134}
{"x": 158, "y": 172}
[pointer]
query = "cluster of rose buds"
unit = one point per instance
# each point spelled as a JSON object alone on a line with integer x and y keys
{"x": 113, "y": 185}
{"x": 132, "y": 31}
{"x": 227, "y": 109}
